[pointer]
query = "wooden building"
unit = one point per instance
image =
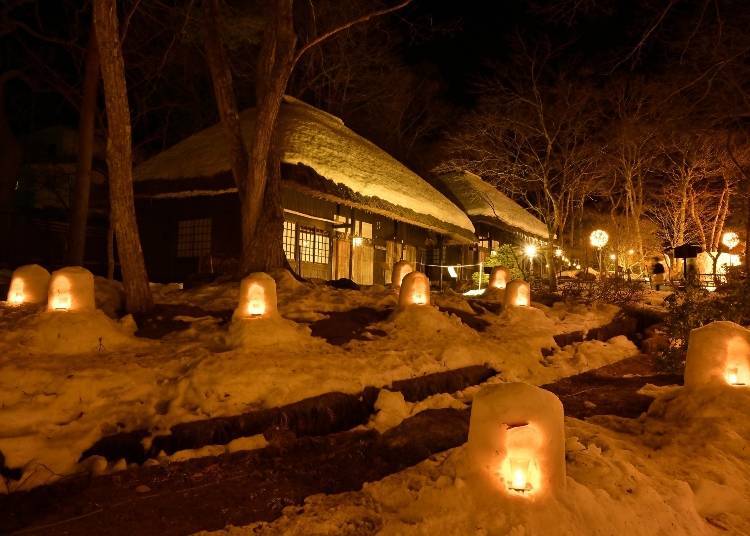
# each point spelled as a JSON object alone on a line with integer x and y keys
{"x": 350, "y": 209}
{"x": 497, "y": 219}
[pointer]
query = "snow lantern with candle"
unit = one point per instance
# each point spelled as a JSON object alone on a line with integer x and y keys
{"x": 517, "y": 293}
{"x": 499, "y": 277}
{"x": 718, "y": 353}
{"x": 400, "y": 269}
{"x": 516, "y": 442}
{"x": 257, "y": 297}
{"x": 28, "y": 284}
{"x": 71, "y": 289}
{"x": 415, "y": 290}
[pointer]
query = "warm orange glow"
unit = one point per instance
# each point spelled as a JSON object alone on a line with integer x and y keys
{"x": 16, "y": 295}
{"x": 520, "y": 471}
{"x": 732, "y": 376}
{"x": 418, "y": 298}
{"x": 522, "y": 299}
{"x": 61, "y": 300}
{"x": 256, "y": 301}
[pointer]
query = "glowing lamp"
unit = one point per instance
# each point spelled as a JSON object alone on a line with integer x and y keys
{"x": 71, "y": 289}
{"x": 530, "y": 250}
{"x": 257, "y": 297}
{"x": 28, "y": 284}
{"x": 558, "y": 252}
{"x": 415, "y": 290}
{"x": 612, "y": 256}
{"x": 730, "y": 239}
{"x": 517, "y": 294}
{"x": 599, "y": 238}
{"x": 400, "y": 269}
{"x": 718, "y": 353}
{"x": 733, "y": 376}
{"x": 631, "y": 251}
{"x": 516, "y": 446}
{"x": 499, "y": 277}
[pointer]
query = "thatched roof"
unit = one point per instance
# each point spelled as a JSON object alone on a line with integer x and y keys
{"x": 322, "y": 157}
{"x": 483, "y": 202}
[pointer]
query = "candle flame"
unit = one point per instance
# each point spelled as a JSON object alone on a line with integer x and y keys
{"x": 61, "y": 301}
{"x": 732, "y": 376}
{"x": 16, "y": 297}
{"x": 256, "y": 307}
{"x": 519, "y": 479}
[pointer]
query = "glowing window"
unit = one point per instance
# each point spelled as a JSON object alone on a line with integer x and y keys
{"x": 289, "y": 239}
{"x": 314, "y": 245}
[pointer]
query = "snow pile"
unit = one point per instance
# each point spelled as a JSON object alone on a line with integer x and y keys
{"x": 72, "y": 332}
{"x": 391, "y": 408}
{"x": 682, "y": 468}
{"x": 52, "y": 408}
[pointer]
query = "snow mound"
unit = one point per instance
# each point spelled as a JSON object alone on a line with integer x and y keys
{"x": 68, "y": 332}
{"x": 273, "y": 331}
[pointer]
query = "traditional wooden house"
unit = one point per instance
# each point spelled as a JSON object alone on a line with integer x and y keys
{"x": 350, "y": 209}
{"x": 497, "y": 219}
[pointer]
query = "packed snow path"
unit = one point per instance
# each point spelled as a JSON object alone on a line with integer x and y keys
{"x": 239, "y": 488}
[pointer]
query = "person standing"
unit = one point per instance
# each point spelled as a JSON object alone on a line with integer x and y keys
{"x": 657, "y": 273}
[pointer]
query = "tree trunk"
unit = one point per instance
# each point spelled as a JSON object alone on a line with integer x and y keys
{"x": 119, "y": 159}
{"x": 10, "y": 165}
{"x": 552, "y": 260}
{"x": 226, "y": 101}
{"x": 275, "y": 66}
{"x": 86, "y": 123}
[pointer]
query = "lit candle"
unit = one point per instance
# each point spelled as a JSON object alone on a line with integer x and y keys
{"x": 418, "y": 298}
{"x": 519, "y": 477}
{"x": 61, "y": 301}
{"x": 256, "y": 307}
{"x": 16, "y": 297}
{"x": 733, "y": 377}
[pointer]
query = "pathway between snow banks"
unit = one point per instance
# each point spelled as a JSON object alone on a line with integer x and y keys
{"x": 239, "y": 488}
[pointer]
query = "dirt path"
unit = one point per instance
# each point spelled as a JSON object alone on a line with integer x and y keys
{"x": 239, "y": 488}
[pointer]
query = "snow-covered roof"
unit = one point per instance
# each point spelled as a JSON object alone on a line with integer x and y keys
{"x": 362, "y": 174}
{"x": 480, "y": 199}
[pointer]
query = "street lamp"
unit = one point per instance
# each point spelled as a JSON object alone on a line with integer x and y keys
{"x": 530, "y": 251}
{"x": 730, "y": 239}
{"x": 599, "y": 239}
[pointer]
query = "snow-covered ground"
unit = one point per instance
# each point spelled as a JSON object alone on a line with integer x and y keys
{"x": 68, "y": 379}
{"x": 682, "y": 468}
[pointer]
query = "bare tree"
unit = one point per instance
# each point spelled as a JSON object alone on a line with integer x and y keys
{"x": 86, "y": 131}
{"x": 119, "y": 158}
{"x": 259, "y": 189}
{"x": 532, "y": 138}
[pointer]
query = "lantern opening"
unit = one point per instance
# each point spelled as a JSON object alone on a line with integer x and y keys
{"x": 15, "y": 294}
{"x": 61, "y": 300}
{"x": 520, "y": 471}
{"x": 734, "y": 377}
{"x": 256, "y": 302}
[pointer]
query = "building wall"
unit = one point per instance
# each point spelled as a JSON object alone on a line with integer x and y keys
{"x": 183, "y": 236}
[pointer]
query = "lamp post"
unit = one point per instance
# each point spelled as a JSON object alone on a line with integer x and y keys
{"x": 530, "y": 251}
{"x": 731, "y": 240}
{"x": 599, "y": 239}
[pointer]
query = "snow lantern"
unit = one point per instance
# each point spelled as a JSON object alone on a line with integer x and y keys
{"x": 718, "y": 352}
{"x": 28, "y": 284}
{"x": 415, "y": 290}
{"x": 517, "y": 293}
{"x": 516, "y": 441}
{"x": 400, "y": 269}
{"x": 499, "y": 277}
{"x": 71, "y": 289}
{"x": 257, "y": 297}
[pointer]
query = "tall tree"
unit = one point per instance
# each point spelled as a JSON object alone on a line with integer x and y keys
{"x": 119, "y": 158}
{"x": 86, "y": 128}
{"x": 259, "y": 187}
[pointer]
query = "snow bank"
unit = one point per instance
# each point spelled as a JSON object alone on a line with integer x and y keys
{"x": 682, "y": 468}
{"x": 52, "y": 408}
